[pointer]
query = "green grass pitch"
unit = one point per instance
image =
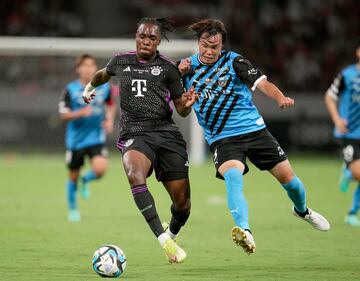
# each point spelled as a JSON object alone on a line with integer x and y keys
{"x": 37, "y": 242}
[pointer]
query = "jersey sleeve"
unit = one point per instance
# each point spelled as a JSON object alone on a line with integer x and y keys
{"x": 174, "y": 82}
{"x": 111, "y": 66}
{"x": 247, "y": 73}
{"x": 65, "y": 102}
{"x": 337, "y": 86}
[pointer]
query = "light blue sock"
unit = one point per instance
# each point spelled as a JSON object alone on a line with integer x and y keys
{"x": 355, "y": 206}
{"x": 236, "y": 200}
{"x": 296, "y": 192}
{"x": 89, "y": 176}
{"x": 347, "y": 174}
{"x": 71, "y": 194}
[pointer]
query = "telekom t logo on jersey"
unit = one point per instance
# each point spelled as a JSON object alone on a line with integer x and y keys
{"x": 138, "y": 86}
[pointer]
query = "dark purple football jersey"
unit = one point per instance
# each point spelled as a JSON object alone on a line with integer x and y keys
{"x": 146, "y": 89}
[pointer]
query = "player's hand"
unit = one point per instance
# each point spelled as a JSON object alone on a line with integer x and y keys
{"x": 89, "y": 93}
{"x": 85, "y": 111}
{"x": 184, "y": 66}
{"x": 286, "y": 102}
{"x": 190, "y": 98}
{"x": 108, "y": 126}
{"x": 341, "y": 126}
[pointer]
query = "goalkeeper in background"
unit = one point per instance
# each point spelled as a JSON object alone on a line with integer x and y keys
{"x": 86, "y": 129}
{"x": 343, "y": 102}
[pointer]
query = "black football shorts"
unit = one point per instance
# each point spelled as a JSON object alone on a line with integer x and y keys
{"x": 75, "y": 158}
{"x": 165, "y": 149}
{"x": 350, "y": 149}
{"x": 260, "y": 147}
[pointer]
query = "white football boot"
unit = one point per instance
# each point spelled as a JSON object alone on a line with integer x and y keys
{"x": 244, "y": 239}
{"x": 315, "y": 219}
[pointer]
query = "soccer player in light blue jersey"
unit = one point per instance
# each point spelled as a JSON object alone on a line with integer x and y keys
{"x": 234, "y": 128}
{"x": 343, "y": 102}
{"x": 86, "y": 129}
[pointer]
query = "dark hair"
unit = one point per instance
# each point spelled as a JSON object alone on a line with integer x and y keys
{"x": 79, "y": 60}
{"x": 165, "y": 24}
{"x": 209, "y": 26}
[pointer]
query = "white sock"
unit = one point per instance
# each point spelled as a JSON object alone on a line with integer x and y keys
{"x": 172, "y": 235}
{"x": 163, "y": 237}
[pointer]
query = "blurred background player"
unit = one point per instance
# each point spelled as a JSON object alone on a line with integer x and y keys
{"x": 343, "y": 102}
{"x": 86, "y": 129}
{"x": 149, "y": 138}
{"x": 235, "y": 130}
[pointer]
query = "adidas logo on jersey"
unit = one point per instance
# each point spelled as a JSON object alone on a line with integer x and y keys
{"x": 127, "y": 69}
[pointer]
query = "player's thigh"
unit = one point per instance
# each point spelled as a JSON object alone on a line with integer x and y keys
{"x": 355, "y": 169}
{"x": 171, "y": 158}
{"x": 265, "y": 152}
{"x": 98, "y": 159}
{"x": 283, "y": 172}
{"x": 138, "y": 158}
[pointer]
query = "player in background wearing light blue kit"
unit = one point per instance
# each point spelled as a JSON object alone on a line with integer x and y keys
{"x": 343, "y": 102}
{"x": 85, "y": 132}
{"x": 235, "y": 130}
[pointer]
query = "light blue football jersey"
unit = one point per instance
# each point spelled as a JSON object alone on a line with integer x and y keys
{"x": 225, "y": 108}
{"x": 86, "y": 131}
{"x": 346, "y": 88}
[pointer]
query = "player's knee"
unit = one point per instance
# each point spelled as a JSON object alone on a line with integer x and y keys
{"x": 286, "y": 178}
{"x": 74, "y": 175}
{"x": 135, "y": 177}
{"x": 186, "y": 207}
{"x": 183, "y": 206}
{"x": 356, "y": 174}
{"x": 100, "y": 172}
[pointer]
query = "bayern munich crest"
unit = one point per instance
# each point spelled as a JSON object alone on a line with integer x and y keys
{"x": 156, "y": 70}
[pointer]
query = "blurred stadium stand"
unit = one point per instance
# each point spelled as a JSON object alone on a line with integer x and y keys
{"x": 300, "y": 45}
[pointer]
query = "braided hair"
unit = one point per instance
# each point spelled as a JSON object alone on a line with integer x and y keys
{"x": 210, "y": 27}
{"x": 165, "y": 24}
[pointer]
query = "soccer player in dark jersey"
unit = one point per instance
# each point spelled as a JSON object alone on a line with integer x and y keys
{"x": 343, "y": 102}
{"x": 86, "y": 129}
{"x": 235, "y": 130}
{"x": 149, "y": 138}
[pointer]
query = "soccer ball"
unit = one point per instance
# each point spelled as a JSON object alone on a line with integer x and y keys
{"x": 109, "y": 261}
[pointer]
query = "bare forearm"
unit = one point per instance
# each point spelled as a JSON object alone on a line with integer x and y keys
{"x": 101, "y": 77}
{"x": 270, "y": 90}
{"x": 68, "y": 116}
{"x": 111, "y": 112}
{"x": 331, "y": 105}
{"x": 183, "y": 112}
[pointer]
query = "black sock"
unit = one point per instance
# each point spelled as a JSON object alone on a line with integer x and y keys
{"x": 302, "y": 214}
{"x": 178, "y": 219}
{"x": 145, "y": 202}
{"x": 248, "y": 230}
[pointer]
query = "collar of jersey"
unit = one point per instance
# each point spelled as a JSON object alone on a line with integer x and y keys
{"x": 210, "y": 64}
{"x": 139, "y": 61}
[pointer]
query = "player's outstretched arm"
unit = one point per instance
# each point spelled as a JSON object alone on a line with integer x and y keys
{"x": 72, "y": 115}
{"x": 110, "y": 116}
{"x": 273, "y": 92}
{"x": 331, "y": 104}
{"x": 100, "y": 77}
{"x": 184, "y": 103}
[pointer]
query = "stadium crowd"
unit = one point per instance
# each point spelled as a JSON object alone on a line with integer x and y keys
{"x": 300, "y": 44}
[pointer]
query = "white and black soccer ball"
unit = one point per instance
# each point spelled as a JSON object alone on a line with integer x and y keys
{"x": 109, "y": 261}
